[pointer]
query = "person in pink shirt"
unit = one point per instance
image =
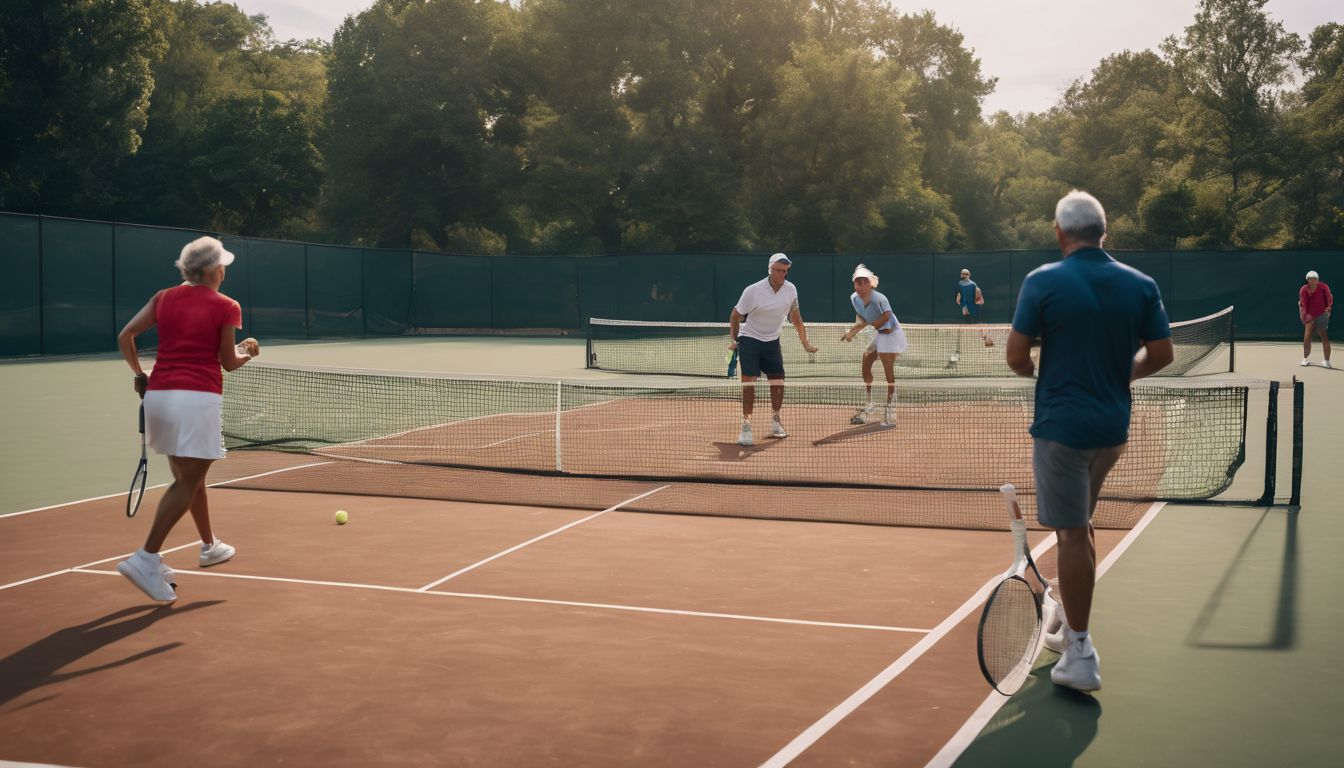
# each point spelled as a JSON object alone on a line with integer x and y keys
{"x": 184, "y": 401}
{"x": 1314, "y": 303}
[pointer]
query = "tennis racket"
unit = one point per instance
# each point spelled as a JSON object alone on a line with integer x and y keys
{"x": 1010, "y": 634}
{"x": 137, "y": 491}
{"x": 731, "y": 360}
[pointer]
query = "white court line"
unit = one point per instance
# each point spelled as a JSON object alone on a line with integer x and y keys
{"x": 828, "y": 721}
{"x": 566, "y": 527}
{"x": 160, "y": 485}
{"x": 86, "y": 565}
{"x": 968, "y": 732}
{"x": 532, "y": 600}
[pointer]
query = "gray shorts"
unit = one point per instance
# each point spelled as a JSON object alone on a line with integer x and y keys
{"x": 1321, "y": 321}
{"x": 1068, "y": 481}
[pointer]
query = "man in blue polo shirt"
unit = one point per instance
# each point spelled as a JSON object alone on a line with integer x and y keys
{"x": 1101, "y": 325}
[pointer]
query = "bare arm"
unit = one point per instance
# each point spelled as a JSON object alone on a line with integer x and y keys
{"x": 1151, "y": 358}
{"x": 1018, "y": 354}
{"x": 143, "y": 321}
{"x": 859, "y": 324}
{"x": 229, "y": 358}
{"x": 796, "y": 317}
{"x": 734, "y": 323}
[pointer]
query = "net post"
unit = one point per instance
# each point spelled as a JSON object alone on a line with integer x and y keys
{"x": 1232, "y": 342}
{"x": 559, "y": 408}
{"x": 1271, "y": 445}
{"x": 589, "y": 360}
{"x": 1298, "y": 400}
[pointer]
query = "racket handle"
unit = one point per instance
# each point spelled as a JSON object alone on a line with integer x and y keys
{"x": 142, "y": 418}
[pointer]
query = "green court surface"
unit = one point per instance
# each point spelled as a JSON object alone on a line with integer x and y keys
{"x": 1218, "y": 625}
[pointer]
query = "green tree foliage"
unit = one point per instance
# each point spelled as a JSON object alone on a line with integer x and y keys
{"x": 230, "y": 143}
{"x": 411, "y": 105}
{"x": 75, "y": 84}
{"x": 587, "y": 126}
{"x": 1231, "y": 63}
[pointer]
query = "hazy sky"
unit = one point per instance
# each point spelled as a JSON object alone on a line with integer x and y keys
{"x": 1035, "y": 47}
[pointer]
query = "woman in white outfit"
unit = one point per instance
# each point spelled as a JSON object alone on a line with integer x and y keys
{"x": 184, "y": 400}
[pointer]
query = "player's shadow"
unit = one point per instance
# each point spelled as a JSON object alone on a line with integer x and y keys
{"x": 850, "y": 434}
{"x": 1044, "y": 726}
{"x": 735, "y": 452}
{"x": 41, "y": 662}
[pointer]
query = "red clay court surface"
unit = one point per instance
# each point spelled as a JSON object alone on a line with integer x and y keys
{"x": 450, "y": 633}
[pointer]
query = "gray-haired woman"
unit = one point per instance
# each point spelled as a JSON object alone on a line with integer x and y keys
{"x": 184, "y": 400}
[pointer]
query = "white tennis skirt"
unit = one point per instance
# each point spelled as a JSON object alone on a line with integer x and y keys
{"x": 184, "y": 422}
{"x": 888, "y": 343}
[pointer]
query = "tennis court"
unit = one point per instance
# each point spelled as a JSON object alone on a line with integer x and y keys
{"x": 622, "y": 603}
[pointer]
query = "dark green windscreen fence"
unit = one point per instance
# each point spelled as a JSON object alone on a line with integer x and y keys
{"x": 70, "y": 285}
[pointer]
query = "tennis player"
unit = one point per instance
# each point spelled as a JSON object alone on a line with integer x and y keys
{"x": 184, "y": 400}
{"x": 1314, "y": 304}
{"x": 969, "y": 298}
{"x": 754, "y": 327}
{"x": 1101, "y": 325}
{"x": 872, "y": 308}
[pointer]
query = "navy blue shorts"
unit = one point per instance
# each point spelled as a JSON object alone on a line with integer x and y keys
{"x": 757, "y": 357}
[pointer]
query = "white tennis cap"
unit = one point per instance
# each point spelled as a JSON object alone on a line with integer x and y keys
{"x": 779, "y": 257}
{"x": 965, "y": 271}
{"x": 203, "y": 253}
{"x": 1312, "y": 274}
{"x": 863, "y": 271}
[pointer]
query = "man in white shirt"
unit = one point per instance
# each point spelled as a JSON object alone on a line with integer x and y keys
{"x": 754, "y": 330}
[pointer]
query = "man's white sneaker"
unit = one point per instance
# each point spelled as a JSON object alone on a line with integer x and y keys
{"x": 215, "y": 553}
{"x": 744, "y": 438}
{"x": 150, "y": 575}
{"x": 1305, "y": 362}
{"x": 1326, "y": 364}
{"x": 1079, "y": 667}
{"x": 888, "y": 416}
{"x": 777, "y": 429}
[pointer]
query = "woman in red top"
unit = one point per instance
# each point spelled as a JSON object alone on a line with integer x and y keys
{"x": 184, "y": 400}
{"x": 1314, "y": 303}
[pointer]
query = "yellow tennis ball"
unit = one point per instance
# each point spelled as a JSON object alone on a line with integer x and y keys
{"x": 341, "y": 517}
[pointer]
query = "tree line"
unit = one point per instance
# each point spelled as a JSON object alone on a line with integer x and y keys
{"x": 606, "y": 126}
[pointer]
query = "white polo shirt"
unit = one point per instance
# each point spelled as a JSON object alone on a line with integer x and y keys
{"x": 765, "y": 309}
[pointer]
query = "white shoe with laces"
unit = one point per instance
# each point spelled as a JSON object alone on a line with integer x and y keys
{"x": 777, "y": 429}
{"x": 1079, "y": 667}
{"x": 1326, "y": 364}
{"x": 888, "y": 416}
{"x": 744, "y": 437}
{"x": 148, "y": 573}
{"x": 1305, "y": 362}
{"x": 215, "y": 553}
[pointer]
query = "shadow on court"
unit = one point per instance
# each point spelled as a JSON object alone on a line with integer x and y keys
{"x": 735, "y": 452}
{"x": 1228, "y": 619}
{"x": 850, "y": 434}
{"x": 1053, "y": 725}
{"x": 38, "y": 664}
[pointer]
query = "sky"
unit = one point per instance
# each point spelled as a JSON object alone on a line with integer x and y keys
{"x": 1036, "y": 48}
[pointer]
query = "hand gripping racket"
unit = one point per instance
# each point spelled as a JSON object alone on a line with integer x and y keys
{"x": 137, "y": 491}
{"x": 1010, "y": 634}
{"x": 732, "y": 363}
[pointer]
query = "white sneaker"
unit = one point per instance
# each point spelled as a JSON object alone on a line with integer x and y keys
{"x": 1053, "y": 628}
{"x": 1079, "y": 667}
{"x": 1305, "y": 362}
{"x": 862, "y": 416}
{"x": 888, "y": 416}
{"x": 1326, "y": 364}
{"x": 744, "y": 438}
{"x": 955, "y": 357}
{"x": 215, "y": 553}
{"x": 777, "y": 429}
{"x": 150, "y": 575}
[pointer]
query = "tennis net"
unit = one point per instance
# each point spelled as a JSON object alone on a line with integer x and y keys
{"x": 935, "y": 351}
{"x": 591, "y": 445}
